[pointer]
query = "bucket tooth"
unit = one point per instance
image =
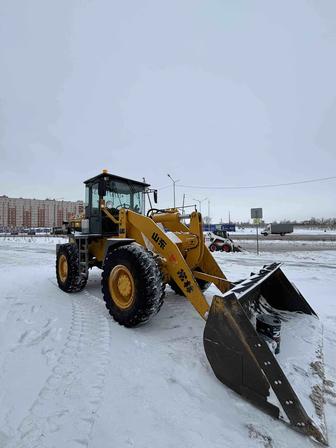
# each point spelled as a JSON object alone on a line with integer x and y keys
{"x": 243, "y": 359}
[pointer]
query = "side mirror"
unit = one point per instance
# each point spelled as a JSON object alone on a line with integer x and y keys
{"x": 155, "y": 196}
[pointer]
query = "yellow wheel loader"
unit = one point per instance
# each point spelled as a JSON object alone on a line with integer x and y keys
{"x": 261, "y": 337}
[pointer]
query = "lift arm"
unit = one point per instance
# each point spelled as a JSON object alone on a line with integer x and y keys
{"x": 171, "y": 248}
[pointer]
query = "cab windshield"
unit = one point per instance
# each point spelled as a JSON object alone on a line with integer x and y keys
{"x": 222, "y": 233}
{"x": 124, "y": 195}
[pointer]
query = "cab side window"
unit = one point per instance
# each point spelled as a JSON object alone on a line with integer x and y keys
{"x": 95, "y": 200}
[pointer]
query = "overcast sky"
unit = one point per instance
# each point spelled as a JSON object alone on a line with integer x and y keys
{"x": 216, "y": 93}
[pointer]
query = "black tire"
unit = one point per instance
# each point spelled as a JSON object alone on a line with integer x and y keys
{"x": 73, "y": 282}
{"x": 212, "y": 248}
{"x": 201, "y": 283}
{"x": 148, "y": 286}
{"x": 226, "y": 248}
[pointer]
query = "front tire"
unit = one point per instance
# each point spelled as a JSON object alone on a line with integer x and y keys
{"x": 132, "y": 285}
{"x": 67, "y": 269}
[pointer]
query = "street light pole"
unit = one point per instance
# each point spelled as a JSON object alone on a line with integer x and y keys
{"x": 144, "y": 199}
{"x": 174, "y": 182}
{"x": 200, "y": 203}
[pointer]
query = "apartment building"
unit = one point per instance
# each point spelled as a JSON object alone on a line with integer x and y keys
{"x": 19, "y": 212}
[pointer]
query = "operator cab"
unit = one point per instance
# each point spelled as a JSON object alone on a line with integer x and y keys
{"x": 117, "y": 193}
{"x": 221, "y": 233}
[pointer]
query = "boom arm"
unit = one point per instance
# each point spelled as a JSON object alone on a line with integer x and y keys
{"x": 182, "y": 251}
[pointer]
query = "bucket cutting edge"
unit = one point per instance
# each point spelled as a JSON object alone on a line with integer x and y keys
{"x": 245, "y": 361}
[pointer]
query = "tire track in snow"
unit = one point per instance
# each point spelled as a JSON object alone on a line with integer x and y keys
{"x": 64, "y": 411}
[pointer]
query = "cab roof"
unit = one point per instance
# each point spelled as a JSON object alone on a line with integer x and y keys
{"x": 116, "y": 178}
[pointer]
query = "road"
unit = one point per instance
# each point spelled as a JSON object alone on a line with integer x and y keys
{"x": 287, "y": 243}
{"x": 291, "y": 237}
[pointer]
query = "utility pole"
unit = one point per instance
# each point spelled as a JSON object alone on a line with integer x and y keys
{"x": 174, "y": 182}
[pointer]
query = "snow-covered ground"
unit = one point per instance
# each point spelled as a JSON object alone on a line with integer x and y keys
{"x": 71, "y": 377}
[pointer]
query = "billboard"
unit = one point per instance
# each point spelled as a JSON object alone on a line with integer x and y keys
{"x": 228, "y": 227}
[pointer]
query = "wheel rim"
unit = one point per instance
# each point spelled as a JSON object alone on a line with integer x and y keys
{"x": 121, "y": 286}
{"x": 226, "y": 248}
{"x": 63, "y": 268}
{"x": 212, "y": 248}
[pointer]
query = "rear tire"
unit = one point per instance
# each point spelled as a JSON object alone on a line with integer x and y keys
{"x": 226, "y": 248}
{"x": 212, "y": 248}
{"x": 132, "y": 285}
{"x": 67, "y": 269}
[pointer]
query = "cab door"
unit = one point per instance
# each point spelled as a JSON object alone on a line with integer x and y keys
{"x": 95, "y": 213}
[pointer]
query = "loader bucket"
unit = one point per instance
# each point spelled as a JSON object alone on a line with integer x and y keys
{"x": 287, "y": 385}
